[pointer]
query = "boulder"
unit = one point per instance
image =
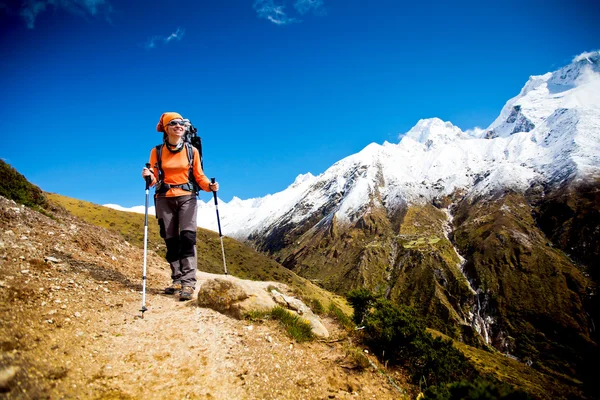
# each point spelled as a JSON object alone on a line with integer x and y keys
{"x": 233, "y": 298}
{"x": 297, "y": 306}
{"x": 237, "y": 297}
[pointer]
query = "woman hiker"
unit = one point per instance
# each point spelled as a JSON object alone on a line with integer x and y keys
{"x": 175, "y": 196}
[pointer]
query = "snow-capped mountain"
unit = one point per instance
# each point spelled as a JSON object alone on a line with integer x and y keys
{"x": 476, "y": 229}
{"x": 549, "y": 132}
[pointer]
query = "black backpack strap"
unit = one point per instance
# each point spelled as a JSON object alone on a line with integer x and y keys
{"x": 197, "y": 143}
{"x": 162, "y": 187}
{"x": 190, "y": 153}
{"x": 191, "y": 178}
{"x": 159, "y": 162}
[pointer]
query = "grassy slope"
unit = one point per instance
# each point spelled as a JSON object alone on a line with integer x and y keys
{"x": 548, "y": 385}
{"x": 536, "y": 293}
{"x": 247, "y": 263}
{"x": 242, "y": 261}
{"x": 410, "y": 258}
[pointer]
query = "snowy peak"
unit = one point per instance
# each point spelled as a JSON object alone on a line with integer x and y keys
{"x": 547, "y": 134}
{"x": 303, "y": 178}
{"x": 542, "y": 95}
{"x": 570, "y": 75}
{"x": 434, "y": 130}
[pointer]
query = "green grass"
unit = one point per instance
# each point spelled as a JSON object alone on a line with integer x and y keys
{"x": 357, "y": 356}
{"x": 295, "y": 326}
{"x": 496, "y": 366}
{"x": 343, "y": 319}
{"x": 256, "y": 315}
{"x": 298, "y": 328}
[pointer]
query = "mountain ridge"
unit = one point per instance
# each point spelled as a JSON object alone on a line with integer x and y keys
{"x": 86, "y": 278}
{"x": 527, "y": 144}
{"x": 473, "y": 229}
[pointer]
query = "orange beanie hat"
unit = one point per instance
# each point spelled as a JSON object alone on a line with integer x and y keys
{"x": 165, "y": 119}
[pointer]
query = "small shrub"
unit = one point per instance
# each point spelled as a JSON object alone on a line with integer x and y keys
{"x": 357, "y": 357}
{"x": 437, "y": 361}
{"x": 398, "y": 335}
{"x": 15, "y": 186}
{"x": 361, "y": 300}
{"x": 392, "y": 331}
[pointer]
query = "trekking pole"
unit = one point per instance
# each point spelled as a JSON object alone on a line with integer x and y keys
{"x": 212, "y": 180}
{"x": 148, "y": 181}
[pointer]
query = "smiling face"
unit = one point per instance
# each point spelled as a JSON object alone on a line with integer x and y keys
{"x": 175, "y": 130}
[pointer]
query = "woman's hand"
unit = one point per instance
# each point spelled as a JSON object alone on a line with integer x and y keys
{"x": 214, "y": 187}
{"x": 147, "y": 172}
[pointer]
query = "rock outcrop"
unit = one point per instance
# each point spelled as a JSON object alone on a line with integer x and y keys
{"x": 238, "y": 297}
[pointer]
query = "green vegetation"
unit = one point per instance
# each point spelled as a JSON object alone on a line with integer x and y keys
{"x": 357, "y": 357}
{"x": 361, "y": 300}
{"x": 420, "y": 242}
{"x": 15, "y": 186}
{"x": 316, "y": 306}
{"x": 296, "y": 327}
{"x": 336, "y": 313}
{"x": 399, "y": 336}
{"x": 536, "y": 293}
{"x": 256, "y": 315}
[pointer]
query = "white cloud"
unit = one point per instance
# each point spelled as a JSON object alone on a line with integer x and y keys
{"x": 268, "y": 10}
{"x": 30, "y": 9}
{"x": 175, "y": 36}
{"x": 304, "y": 6}
{"x": 586, "y": 55}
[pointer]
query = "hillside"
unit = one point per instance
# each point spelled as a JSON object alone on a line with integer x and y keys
{"x": 491, "y": 234}
{"x": 69, "y": 301}
{"x": 242, "y": 261}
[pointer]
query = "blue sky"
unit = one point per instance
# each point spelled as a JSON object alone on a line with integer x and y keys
{"x": 276, "y": 88}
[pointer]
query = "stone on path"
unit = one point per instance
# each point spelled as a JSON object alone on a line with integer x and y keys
{"x": 237, "y": 297}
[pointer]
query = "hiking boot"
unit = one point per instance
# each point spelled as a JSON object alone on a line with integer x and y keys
{"x": 186, "y": 293}
{"x": 174, "y": 288}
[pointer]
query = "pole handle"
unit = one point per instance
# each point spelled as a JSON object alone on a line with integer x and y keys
{"x": 148, "y": 178}
{"x": 212, "y": 180}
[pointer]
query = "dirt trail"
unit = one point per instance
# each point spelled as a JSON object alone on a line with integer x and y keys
{"x": 71, "y": 328}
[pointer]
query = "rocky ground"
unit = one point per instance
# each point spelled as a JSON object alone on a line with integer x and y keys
{"x": 71, "y": 328}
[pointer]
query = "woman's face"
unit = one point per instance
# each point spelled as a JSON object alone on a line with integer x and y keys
{"x": 175, "y": 130}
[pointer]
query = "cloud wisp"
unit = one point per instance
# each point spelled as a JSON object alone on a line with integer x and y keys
{"x": 30, "y": 9}
{"x": 276, "y": 14}
{"x": 306, "y": 6}
{"x": 586, "y": 55}
{"x": 268, "y": 10}
{"x": 155, "y": 40}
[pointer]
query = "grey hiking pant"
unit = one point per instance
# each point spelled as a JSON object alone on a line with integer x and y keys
{"x": 177, "y": 222}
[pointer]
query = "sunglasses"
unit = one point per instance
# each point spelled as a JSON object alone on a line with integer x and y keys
{"x": 176, "y": 122}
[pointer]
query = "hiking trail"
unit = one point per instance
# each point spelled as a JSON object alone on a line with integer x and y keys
{"x": 71, "y": 328}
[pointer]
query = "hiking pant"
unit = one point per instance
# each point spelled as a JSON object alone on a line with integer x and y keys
{"x": 177, "y": 222}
